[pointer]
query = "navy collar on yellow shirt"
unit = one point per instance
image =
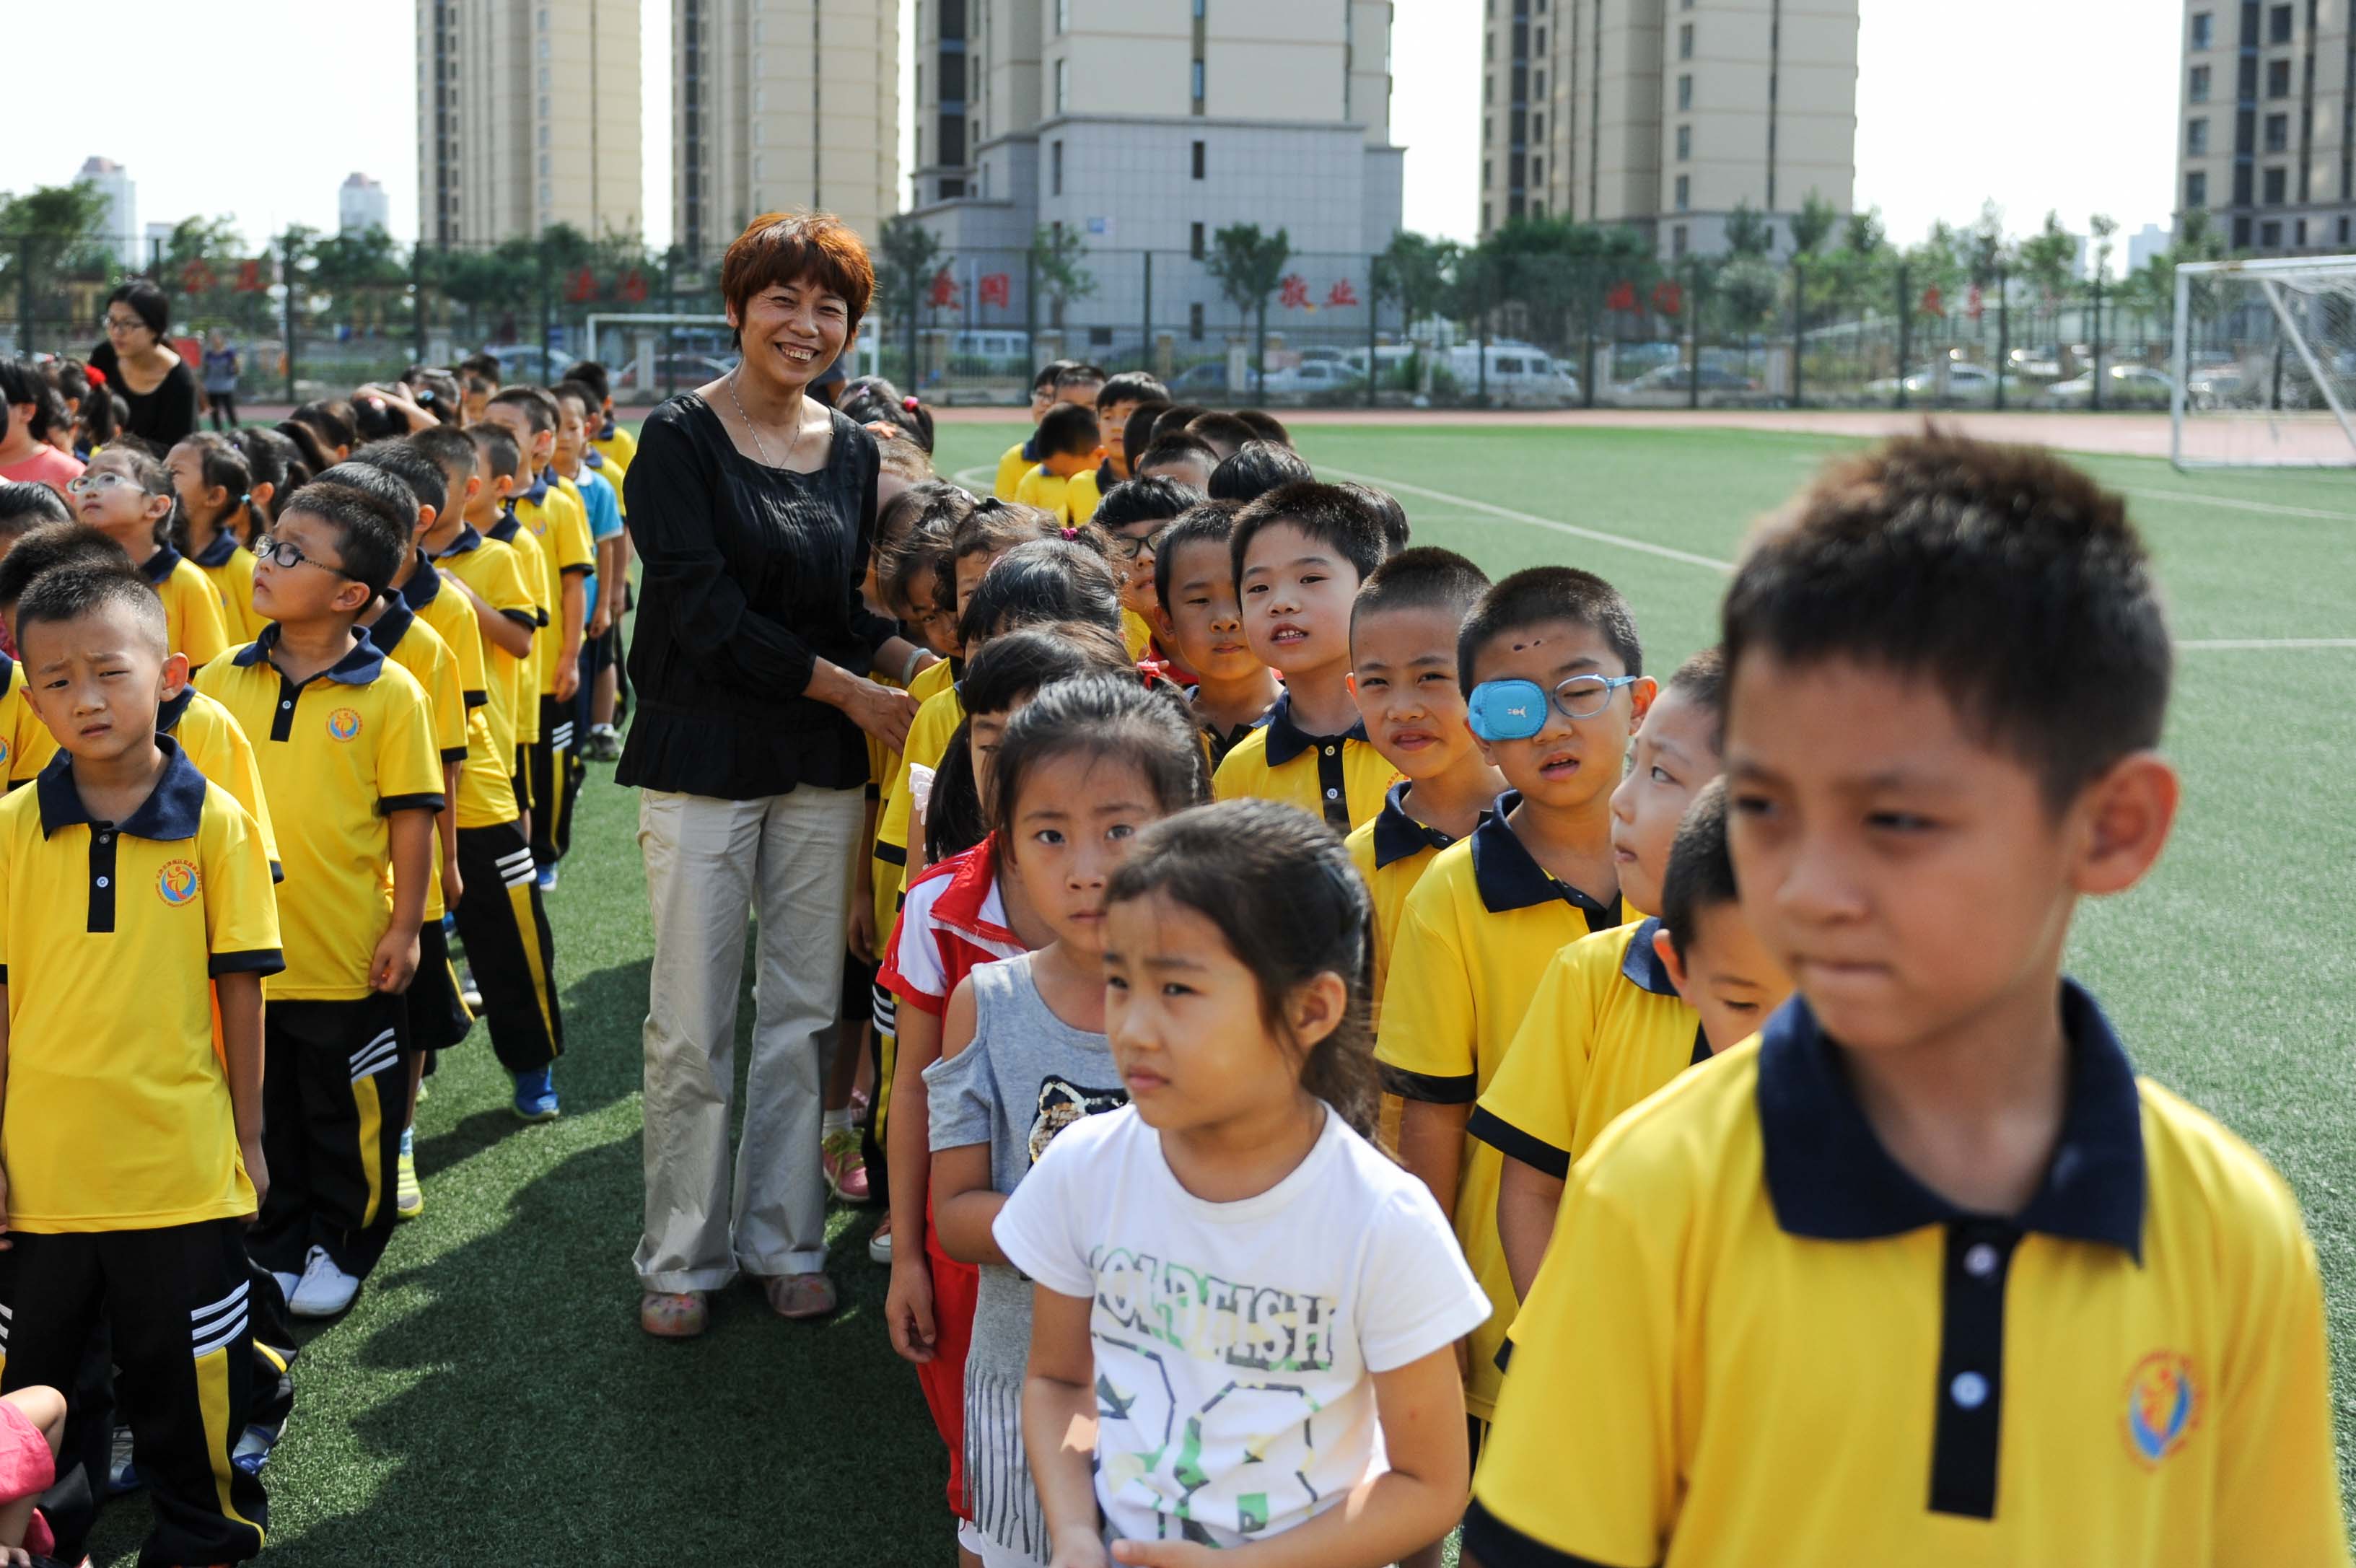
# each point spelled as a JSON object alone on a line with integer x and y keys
{"x": 1642, "y": 963}
{"x": 158, "y": 566}
{"x": 174, "y": 810}
{"x": 504, "y": 530}
{"x": 539, "y": 491}
{"x": 1507, "y": 876}
{"x": 424, "y": 585}
{"x": 1829, "y": 1177}
{"x": 169, "y": 713}
{"x": 390, "y": 627}
{"x": 1399, "y": 836}
{"x": 593, "y": 458}
{"x": 1286, "y": 740}
{"x": 1031, "y": 448}
{"x": 468, "y": 539}
{"x": 363, "y": 664}
{"x": 605, "y": 432}
{"x": 214, "y": 556}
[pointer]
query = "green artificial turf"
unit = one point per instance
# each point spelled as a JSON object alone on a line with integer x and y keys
{"x": 490, "y": 1399}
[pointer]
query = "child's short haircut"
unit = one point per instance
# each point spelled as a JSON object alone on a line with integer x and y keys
{"x": 374, "y": 419}
{"x": 1068, "y": 430}
{"x": 1387, "y": 512}
{"x": 371, "y": 545}
{"x": 412, "y": 467}
{"x": 497, "y": 447}
{"x": 1265, "y": 426}
{"x": 1205, "y": 523}
{"x": 1046, "y": 374}
{"x": 1280, "y": 887}
{"x": 28, "y": 504}
{"x": 1178, "y": 449}
{"x": 1429, "y": 578}
{"x": 72, "y": 592}
{"x": 1327, "y": 513}
{"x": 1173, "y": 420}
{"x": 2003, "y": 574}
{"x": 483, "y": 367}
{"x": 330, "y": 419}
{"x": 1702, "y": 679}
{"x": 1078, "y": 374}
{"x": 1137, "y": 430}
{"x": 1047, "y": 580}
{"x": 52, "y": 545}
{"x": 1221, "y": 430}
{"x": 1134, "y": 501}
{"x": 1542, "y": 594}
{"x": 581, "y": 392}
{"x": 593, "y": 375}
{"x": 1131, "y": 386}
{"x": 388, "y": 493}
{"x": 1258, "y": 468}
{"x": 539, "y": 407}
{"x": 452, "y": 450}
{"x": 1701, "y": 873}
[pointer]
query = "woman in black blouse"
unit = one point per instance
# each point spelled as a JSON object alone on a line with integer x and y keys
{"x": 751, "y": 506}
{"x": 152, "y": 380}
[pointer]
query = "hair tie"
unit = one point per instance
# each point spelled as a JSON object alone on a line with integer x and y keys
{"x": 244, "y": 497}
{"x": 909, "y": 402}
{"x": 95, "y": 376}
{"x": 1071, "y": 532}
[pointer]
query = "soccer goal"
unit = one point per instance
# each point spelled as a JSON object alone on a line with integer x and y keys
{"x": 2265, "y": 363}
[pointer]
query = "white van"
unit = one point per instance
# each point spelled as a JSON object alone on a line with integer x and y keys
{"x": 1519, "y": 376}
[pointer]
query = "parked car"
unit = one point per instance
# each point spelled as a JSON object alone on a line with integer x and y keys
{"x": 1670, "y": 386}
{"x": 1966, "y": 384}
{"x": 1209, "y": 378}
{"x": 2123, "y": 386}
{"x": 1310, "y": 378}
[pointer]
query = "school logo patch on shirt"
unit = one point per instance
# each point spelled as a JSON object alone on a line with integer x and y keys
{"x": 344, "y": 724}
{"x": 2163, "y": 1406}
{"x": 178, "y": 882}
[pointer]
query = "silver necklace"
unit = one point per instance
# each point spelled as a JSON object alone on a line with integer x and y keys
{"x": 758, "y": 444}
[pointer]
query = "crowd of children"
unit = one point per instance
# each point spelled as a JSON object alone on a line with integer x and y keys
{"x": 1345, "y": 1050}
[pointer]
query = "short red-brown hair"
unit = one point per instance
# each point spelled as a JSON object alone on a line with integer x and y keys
{"x": 788, "y": 247}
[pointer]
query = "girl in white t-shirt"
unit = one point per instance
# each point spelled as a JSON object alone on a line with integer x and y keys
{"x": 1245, "y": 1316}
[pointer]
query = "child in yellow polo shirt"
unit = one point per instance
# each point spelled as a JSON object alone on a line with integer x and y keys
{"x": 1132, "y": 513}
{"x": 347, "y": 749}
{"x": 1070, "y": 445}
{"x": 132, "y": 895}
{"x": 128, "y": 496}
{"x": 1715, "y": 959}
{"x": 1926, "y": 1274}
{"x": 1198, "y": 617}
{"x": 611, "y": 445}
{"x": 491, "y": 514}
{"x": 1058, "y": 381}
{"x": 1551, "y": 658}
{"x": 1541, "y": 1110}
{"x": 1298, "y": 554}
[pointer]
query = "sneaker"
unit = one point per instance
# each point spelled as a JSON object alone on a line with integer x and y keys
{"x": 252, "y": 1450}
{"x": 673, "y": 1314}
{"x": 879, "y": 1245}
{"x": 535, "y": 1095}
{"x": 449, "y": 923}
{"x": 286, "y": 1284}
{"x": 604, "y": 744}
{"x": 325, "y": 1290}
{"x": 122, "y": 1475}
{"x": 845, "y": 1168}
{"x": 468, "y": 991}
{"x": 408, "y": 1197}
{"x": 546, "y": 879}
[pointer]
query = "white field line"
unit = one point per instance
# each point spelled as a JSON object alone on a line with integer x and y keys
{"x": 2231, "y": 503}
{"x": 2231, "y": 644}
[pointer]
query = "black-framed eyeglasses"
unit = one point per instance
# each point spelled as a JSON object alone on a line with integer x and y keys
{"x": 123, "y": 323}
{"x": 278, "y": 553}
{"x": 1128, "y": 546}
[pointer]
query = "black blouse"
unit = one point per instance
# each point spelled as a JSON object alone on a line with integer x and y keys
{"x": 166, "y": 415}
{"x": 752, "y": 574}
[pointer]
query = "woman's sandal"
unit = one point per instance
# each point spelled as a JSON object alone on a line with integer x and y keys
{"x": 672, "y": 1315}
{"x": 800, "y": 1295}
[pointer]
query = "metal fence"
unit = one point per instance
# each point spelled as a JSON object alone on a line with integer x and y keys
{"x": 1319, "y": 329}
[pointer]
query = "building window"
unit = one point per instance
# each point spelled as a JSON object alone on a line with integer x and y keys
{"x": 1541, "y": 48}
{"x": 1684, "y": 192}
{"x": 2241, "y": 233}
{"x": 1685, "y": 40}
{"x": 1062, "y": 16}
{"x": 2278, "y": 79}
{"x": 1194, "y": 321}
{"x": 2278, "y": 25}
{"x": 2199, "y": 93}
{"x": 2343, "y": 230}
{"x": 2204, "y": 28}
{"x": 2270, "y": 235}
{"x": 1537, "y": 128}
{"x": 1198, "y": 81}
{"x": 1056, "y": 168}
{"x": 1684, "y": 93}
{"x": 2276, "y": 180}
{"x": 1537, "y": 87}
{"x": 1194, "y": 242}
{"x": 2196, "y": 138}
{"x": 1685, "y": 142}
{"x": 546, "y": 166}
{"x": 2196, "y": 189}
{"x": 1199, "y": 151}
{"x": 2277, "y": 133}
{"x": 2298, "y": 233}
{"x": 1677, "y": 242}
{"x": 1538, "y": 171}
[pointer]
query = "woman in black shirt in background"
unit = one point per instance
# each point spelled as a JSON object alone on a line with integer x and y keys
{"x": 752, "y": 508}
{"x": 155, "y": 382}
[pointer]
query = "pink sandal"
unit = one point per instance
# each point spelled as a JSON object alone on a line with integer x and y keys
{"x": 800, "y": 1295}
{"x": 672, "y": 1315}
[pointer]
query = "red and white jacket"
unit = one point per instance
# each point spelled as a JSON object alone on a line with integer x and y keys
{"x": 952, "y": 921}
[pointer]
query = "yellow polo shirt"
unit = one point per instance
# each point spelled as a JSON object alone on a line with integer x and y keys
{"x": 404, "y": 638}
{"x": 1757, "y": 1339}
{"x": 619, "y": 449}
{"x": 1605, "y": 1029}
{"x": 26, "y": 743}
{"x": 1474, "y": 937}
{"x": 502, "y": 579}
{"x": 219, "y": 747}
{"x": 1341, "y": 778}
{"x": 1016, "y": 463}
{"x": 929, "y": 740}
{"x": 118, "y": 1115}
{"x": 1051, "y": 493}
{"x": 558, "y": 525}
{"x": 339, "y": 754}
{"x": 229, "y": 567}
{"x": 192, "y": 605}
{"x": 486, "y": 792}
{"x": 1135, "y": 634}
{"x": 511, "y": 531}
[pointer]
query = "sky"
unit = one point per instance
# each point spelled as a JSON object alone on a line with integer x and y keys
{"x": 2041, "y": 105}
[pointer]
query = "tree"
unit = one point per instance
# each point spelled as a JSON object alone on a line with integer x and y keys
{"x": 1747, "y": 232}
{"x": 2102, "y": 226}
{"x": 2048, "y": 257}
{"x": 1412, "y": 272}
{"x": 1250, "y": 265}
{"x": 1058, "y": 269}
{"x": 48, "y": 234}
{"x": 1813, "y": 224}
{"x": 351, "y": 276}
{"x": 911, "y": 255}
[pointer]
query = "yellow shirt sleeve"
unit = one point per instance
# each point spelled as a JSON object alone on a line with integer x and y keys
{"x": 30, "y": 744}
{"x": 1080, "y": 493}
{"x": 1430, "y": 1026}
{"x": 1042, "y": 490}
{"x": 568, "y": 532}
{"x": 1242, "y": 774}
{"x": 241, "y": 910}
{"x": 223, "y": 753}
{"x": 193, "y": 607}
{"x": 1535, "y": 1091}
{"x": 1135, "y": 634}
{"x": 408, "y": 770}
{"x": 1011, "y": 469}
